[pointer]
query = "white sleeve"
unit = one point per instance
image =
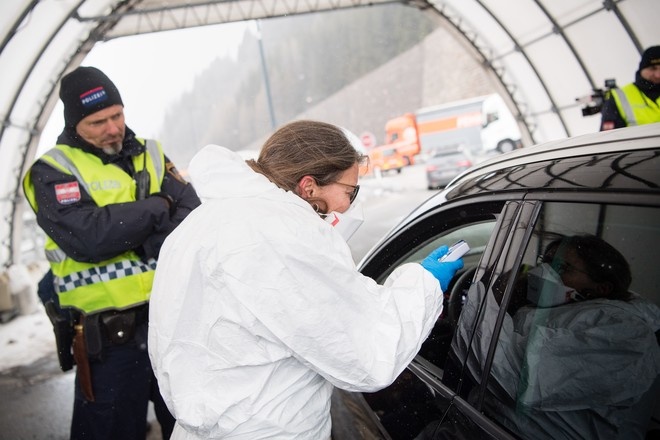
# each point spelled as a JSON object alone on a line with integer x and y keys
{"x": 357, "y": 334}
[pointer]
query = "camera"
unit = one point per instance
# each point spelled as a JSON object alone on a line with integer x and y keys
{"x": 593, "y": 103}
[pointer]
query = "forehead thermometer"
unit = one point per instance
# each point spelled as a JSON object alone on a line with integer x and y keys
{"x": 456, "y": 251}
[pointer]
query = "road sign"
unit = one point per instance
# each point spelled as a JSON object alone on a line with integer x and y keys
{"x": 368, "y": 139}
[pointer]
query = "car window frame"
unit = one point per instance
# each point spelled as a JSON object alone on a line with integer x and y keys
{"x": 505, "y": 252}
{"x": 381, "y": 258}
{"x": 538, "y": 199}
{"x": 454, "y": 215}
{"x": 471, "y": 372}
{"x": 508, "y": 261}
{"x": 505, "y": 245}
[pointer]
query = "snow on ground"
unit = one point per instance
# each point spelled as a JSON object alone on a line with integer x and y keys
{"x": 26, "y": 339}
{"x": 29, "y": 336}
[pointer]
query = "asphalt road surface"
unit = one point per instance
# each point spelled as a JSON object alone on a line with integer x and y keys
{"x": 37, "y": 399}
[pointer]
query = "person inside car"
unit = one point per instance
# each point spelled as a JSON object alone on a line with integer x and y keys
{"x": 581, "y": 358}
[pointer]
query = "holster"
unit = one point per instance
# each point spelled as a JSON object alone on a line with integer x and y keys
{"x": 63, "y": 330}
{"x": 93, "y": 336}
{"x": 84, "y": 373}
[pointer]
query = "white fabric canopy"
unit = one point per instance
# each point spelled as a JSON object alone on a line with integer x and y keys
{"x": 543, "y": 53}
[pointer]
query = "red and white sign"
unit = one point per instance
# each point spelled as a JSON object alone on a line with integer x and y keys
{"x": 368, "y": 139}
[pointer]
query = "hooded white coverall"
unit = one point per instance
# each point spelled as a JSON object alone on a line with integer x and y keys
{"x": 257, "y": 310}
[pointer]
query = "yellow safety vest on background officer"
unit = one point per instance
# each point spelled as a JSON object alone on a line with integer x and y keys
{"x": 106, "y": 200}
{"x": 636, "y": 103}
{"x": 635, "y": 107}
{"x": 125, "y": 280}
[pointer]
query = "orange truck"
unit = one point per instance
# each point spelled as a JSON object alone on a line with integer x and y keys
{"x": 385, "y": 158}
{"x": 480, "y": 125}
{"x": 402, "y": 134}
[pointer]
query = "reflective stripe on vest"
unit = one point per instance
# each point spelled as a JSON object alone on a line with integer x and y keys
{"x": 635, "y": 107}
{"x": 66, "y": 164}
{"x": 103, "y": 274}
{"x": 123, "y": 281}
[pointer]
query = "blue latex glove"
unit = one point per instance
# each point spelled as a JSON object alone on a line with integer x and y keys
{"x": 444, "y": 272}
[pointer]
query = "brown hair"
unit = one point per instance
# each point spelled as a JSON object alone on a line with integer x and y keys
{"x": 305, "y": 148}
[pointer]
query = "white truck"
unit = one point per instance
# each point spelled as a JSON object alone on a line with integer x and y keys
{"x": 499, "y": 129}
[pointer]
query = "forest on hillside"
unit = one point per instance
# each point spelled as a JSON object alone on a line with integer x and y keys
{"x": 307, "y": 58}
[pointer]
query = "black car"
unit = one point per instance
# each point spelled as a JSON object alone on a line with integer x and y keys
{"x": 521, "y": 350}
{"x": 442, "y": 167}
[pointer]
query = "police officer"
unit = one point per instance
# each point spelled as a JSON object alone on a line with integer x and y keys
{"x": 106, "y": 200}
{"x": 638, "y": 102}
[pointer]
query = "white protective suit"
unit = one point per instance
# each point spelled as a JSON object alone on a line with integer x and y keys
{"x": 258, "y": 310}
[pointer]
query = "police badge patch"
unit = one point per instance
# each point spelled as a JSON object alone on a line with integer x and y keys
{"x": 67, "y": 193}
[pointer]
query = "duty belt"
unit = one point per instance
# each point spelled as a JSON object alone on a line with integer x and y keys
{"x": 114, "y": 327}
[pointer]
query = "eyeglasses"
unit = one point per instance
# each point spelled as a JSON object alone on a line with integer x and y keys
{"x": 561, "y": 267}
{"x": 356, "y": 189}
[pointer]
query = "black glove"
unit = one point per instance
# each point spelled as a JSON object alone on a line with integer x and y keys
{"x": 169, "y": 199}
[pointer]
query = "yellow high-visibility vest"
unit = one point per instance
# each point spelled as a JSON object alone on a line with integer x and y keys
{"x": 123, "y": 281}
{"x": 635, "y": 107}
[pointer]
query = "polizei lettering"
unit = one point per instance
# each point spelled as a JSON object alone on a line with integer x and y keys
{"x": 93, "y": 97}
{"x": 104, "y": 185}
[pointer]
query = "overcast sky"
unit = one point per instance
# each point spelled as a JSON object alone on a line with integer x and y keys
{"x": 153, "y": 70}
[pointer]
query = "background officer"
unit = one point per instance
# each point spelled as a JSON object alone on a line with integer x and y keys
{"x": 638, "y": 102}
{"x": 106, "y": 200}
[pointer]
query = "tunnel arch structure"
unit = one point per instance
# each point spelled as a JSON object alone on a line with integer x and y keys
{"x": 543, "y": 54}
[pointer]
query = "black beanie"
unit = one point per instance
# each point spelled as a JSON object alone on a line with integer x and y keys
{"x": 84, "y": 91}
{"x": 650, "y": 57}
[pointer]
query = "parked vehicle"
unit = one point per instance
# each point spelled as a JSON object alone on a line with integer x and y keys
{"x": 587, "y": 367}
{"x": 444, "y": 166}
{"x": 483, "y": 124}
{"x": 401, "y": 133}
{"x": 384, "y": 159}
{"x": 499, "y": 130}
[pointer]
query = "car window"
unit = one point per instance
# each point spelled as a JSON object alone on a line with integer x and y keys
{"x": 409, "y": 244}
{"x": 577, "y": 355}
{"x": 475, "y": 234}
{"x": 481, "y": 296}
{"x": 408, "y": 406}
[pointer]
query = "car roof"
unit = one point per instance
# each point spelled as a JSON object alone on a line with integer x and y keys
{"x": 630, "y": 138}
{"x": 626, "y": 159}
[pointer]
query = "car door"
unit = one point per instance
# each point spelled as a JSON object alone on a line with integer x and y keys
{"x": 418, "y": 403}
{"x": 567, "y": 360}
{"x": 477, "y": 387}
